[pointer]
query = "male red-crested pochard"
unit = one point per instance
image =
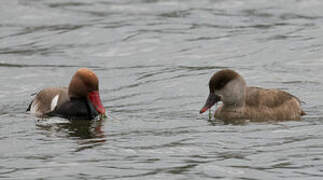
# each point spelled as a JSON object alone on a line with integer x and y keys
{"x": 81, "y": 100}
{"x": 252, "y": 103}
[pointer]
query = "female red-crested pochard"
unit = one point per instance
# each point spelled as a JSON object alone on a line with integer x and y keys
{"x": 252, "y": 103}
{"x": 81, "y": 100}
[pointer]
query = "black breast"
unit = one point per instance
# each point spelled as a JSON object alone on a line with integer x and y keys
{"x": 76, "y": 109}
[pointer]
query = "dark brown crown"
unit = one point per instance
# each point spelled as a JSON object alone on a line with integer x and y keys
{"x": 221, "y": 78}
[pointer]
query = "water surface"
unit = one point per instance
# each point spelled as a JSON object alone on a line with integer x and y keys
{"x": 154, "y": 59}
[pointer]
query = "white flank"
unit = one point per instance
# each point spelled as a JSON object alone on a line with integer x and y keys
{"x": 53, "y": 104}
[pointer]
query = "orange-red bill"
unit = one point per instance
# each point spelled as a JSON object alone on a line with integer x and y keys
{"x": 211, "y": 100}
{"x": 96, "y": 101}
{"x": 204, "y": 109}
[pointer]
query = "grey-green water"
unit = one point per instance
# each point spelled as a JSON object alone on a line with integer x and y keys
{"x": 154, "y": 59}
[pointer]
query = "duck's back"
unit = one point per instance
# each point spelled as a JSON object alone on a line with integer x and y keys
{"x": 47, "y": 100}
{"x": 271, "y": 104}
{"x": 56, "y": 102}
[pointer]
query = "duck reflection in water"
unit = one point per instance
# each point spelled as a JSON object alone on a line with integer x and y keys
{"x": 89, "y": 131}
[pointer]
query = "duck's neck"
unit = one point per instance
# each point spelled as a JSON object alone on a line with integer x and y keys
{"x": 234, "y": 94}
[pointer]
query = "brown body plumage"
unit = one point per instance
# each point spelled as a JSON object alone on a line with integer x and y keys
{"x": 42, "y": 103}
{"x": 253, "y": 103}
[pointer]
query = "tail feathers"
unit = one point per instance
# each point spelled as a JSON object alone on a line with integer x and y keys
{"x": 28, "y": 109}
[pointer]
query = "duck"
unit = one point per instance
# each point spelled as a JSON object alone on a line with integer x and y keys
{"x": 80, "y": 100}
{"x": 240, "y": 101}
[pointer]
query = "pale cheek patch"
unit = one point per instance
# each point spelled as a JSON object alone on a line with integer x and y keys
{"x": 53, "y": 104}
